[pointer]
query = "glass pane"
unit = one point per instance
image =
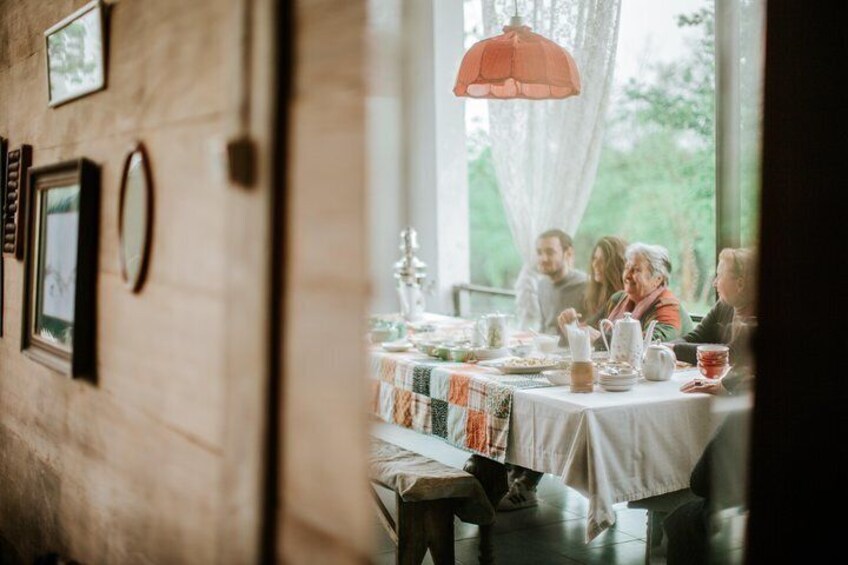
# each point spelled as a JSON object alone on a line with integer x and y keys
{"x": 656, "y": 177}
{"x": 56, "y": 269}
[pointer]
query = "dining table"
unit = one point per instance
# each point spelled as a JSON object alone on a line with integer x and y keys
{"x": 611, "y": 447}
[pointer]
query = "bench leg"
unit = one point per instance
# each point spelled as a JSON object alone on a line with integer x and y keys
{"x": 438, "y": 524}
{"x": 412, "y": 538}
{"x": 422, "y": 526}
{"x": 486, "y": 553}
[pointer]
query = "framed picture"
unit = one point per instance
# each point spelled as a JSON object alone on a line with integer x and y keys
{"x": 3, "y": 206}
{"x": 76, "y": 54}
{"x": 60, "y": 266}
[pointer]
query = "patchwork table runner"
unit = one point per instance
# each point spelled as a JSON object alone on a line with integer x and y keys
{"x": 467, "y": 405}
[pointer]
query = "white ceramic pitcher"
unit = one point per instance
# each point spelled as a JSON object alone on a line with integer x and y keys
{"x": 627, "y": 343}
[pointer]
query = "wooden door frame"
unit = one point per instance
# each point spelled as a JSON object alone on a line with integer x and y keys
{"x": 247, "y": 527}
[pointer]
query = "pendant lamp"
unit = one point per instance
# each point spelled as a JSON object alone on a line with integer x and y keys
{"x": 517, "y": 64}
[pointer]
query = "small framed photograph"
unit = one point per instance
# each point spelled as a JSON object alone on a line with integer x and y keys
{"x": 76, "y": 54}
{"x": 61, "y": 267}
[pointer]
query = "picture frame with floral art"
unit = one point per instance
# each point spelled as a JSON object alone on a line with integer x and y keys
{"x": 76, "y": 52}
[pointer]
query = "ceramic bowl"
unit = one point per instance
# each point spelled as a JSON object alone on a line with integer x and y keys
{"x": 379, "y": 335}
{"x": 546, "y": 343}
{"x": 521, "y": 350}
{"x": 442, "y": 351}
{"x": 460, "y": 354}
{"x": 425, "y": 347}
{"x": 397, "y": 346}
{"x": 558, "y": 376}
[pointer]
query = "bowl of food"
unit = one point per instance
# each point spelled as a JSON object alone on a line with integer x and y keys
{"x": 546, "y": 343}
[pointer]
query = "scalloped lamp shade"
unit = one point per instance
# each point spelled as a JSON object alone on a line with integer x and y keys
{"x": 517, "y": 64}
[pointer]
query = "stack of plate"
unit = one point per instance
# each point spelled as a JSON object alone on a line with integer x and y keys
{"x": 617, "y": 382}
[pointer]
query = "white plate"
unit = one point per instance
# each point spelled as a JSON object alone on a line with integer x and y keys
{"x": 397, "y": 346}
{"x": 514, "y": 366}
{"x": 484, "y": 353}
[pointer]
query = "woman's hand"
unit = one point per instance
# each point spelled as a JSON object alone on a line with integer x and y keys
{"x": 710, "y": 386}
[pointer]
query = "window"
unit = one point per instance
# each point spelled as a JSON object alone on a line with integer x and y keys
{"x": 657, "y": 175}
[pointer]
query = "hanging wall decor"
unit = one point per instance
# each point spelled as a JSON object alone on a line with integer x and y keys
{"x": 135, "y": 217}
{"x": 14, "y": 201}
{"x": 60, "y": 267}
{"x": 3, "y": 207}
{"x": 76, "y": 54}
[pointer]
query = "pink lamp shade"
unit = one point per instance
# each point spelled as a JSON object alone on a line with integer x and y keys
{"x": 517, "y": 64}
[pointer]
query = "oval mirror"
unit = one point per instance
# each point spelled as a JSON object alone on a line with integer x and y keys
{"x": 134, "y": 217}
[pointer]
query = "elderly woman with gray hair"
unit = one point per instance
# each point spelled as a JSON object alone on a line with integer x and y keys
{"x": 646, "y": 295}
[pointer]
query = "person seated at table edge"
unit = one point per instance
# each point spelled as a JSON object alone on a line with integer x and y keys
{"x": 737, "y": 380}
{"x": 606, "y": 269}
{"x": 646, "y": 295}
{"x": 731, "y": 319}
{"x": 689, "y": 528}
{"x": 561, "y": 287}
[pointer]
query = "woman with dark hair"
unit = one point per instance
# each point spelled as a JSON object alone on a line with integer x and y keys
{"x": 606, "y": 269}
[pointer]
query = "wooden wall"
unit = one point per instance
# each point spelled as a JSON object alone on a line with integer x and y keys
{"x": 138, "y": 468}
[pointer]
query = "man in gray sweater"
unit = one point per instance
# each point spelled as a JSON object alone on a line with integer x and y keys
{"x": 561, "y": 287}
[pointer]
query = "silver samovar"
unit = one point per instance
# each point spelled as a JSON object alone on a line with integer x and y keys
{"x": 410, "y": 273}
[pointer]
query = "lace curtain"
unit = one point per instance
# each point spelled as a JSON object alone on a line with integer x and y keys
{"x": 546, "y": 152}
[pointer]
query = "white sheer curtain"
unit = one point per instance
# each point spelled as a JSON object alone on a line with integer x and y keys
{"x": 546, "y": 152}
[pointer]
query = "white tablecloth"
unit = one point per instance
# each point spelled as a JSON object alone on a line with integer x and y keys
{"x": 612, "y": 446}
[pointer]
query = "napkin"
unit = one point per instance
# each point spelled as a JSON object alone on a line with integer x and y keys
{"x": 579, "y": 342}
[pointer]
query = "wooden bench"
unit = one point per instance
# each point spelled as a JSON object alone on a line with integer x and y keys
{"x": 428, "y": 495}
{"x": 658, "y": 508}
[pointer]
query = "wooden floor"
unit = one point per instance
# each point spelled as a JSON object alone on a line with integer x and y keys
{"x": 549, "y": 533}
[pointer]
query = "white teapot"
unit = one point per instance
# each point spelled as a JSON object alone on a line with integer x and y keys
{"x": 658, "y": 363}
{"x": 627, "y": 342}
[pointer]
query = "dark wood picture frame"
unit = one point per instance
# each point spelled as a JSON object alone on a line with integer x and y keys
{"x": 97, "y": 12}
{"x": 134, "y": 278}
{"x": 3, "y": 147}
{"x": 18, "y": 161}
{"x": 67, "y": 345}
